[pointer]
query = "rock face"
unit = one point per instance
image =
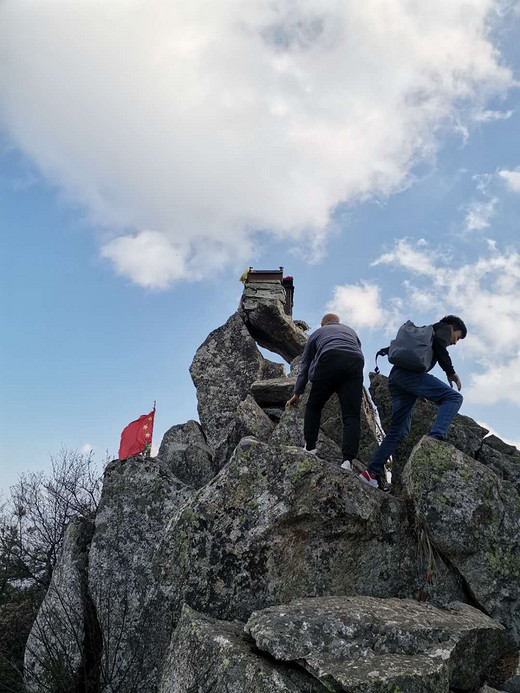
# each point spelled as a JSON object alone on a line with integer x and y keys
{"x": 228, "y": 659}
{"x": 249, "y": 420}
{"x": 140, "y": 495}
{"x": 185, "y": 452}
{"x": 278, "y": 523}
{"x": 395, "y": 644}
{"x": 512, "y": 684}
{"x": 262, "y": 308}
{"x": 464, "y": 433}
{"x": 473, "y": 519}
{"x": 505, "y": 465}
{"x": 234, "y": 517}
{"x": 222, "y": 371}
{"x": 65, "y": 629}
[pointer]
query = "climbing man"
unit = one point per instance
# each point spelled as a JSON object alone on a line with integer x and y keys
{"x": 406, "y": 385}
{"x": 333, "y": 362}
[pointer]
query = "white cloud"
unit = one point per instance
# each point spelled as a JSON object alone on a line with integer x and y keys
{"x": 489, "y": 116}
{"x": 411, "y": 257}
{"x": 512, "y": 178}
{"x": 149, "y": 258}
{"x": 359, "y": 306}
{"x": 486, "y": 294}
{"x": 203, "y": 122}
{"x": 86, "y": 448}
{"x": 479, "y": 214}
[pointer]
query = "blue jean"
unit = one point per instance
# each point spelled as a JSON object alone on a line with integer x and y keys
{"x": 405, "y": 387}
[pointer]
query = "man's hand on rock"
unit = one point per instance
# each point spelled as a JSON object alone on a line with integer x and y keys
{"x": 293, "y": 402}
{"x": 455, "y": 379}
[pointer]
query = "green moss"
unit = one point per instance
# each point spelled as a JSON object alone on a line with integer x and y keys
{"x": 465, "y": 473}
{"x": 504, "y": 561}
{"x": 430, "y": 462}
{"x": 302, "y": 467}
{"x": 227, "y": 662}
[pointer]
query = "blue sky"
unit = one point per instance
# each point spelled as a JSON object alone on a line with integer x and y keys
{"x": 110, "y": 282}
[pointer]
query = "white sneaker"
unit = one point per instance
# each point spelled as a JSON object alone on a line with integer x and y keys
{"x": 347, "y": 465}
{"x": 311, "y": 452}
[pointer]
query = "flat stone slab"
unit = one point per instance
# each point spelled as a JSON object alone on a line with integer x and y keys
{"x": 211, "y": 656}
{"x": 274, "y": 392}
{"x": 378, "y": 645}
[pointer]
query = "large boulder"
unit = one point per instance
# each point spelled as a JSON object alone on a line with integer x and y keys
{"x": 210, "y": 656}
{"x": 512, "y": 684}
{"x": 278, "y": 523}
{"x": 223, "y": 369}
{"x": 262, "y": 308}
{"x": 505, "y": 465}
{"x": 379, "y": 645}
{"x": 185, "y": 452}
{"x": 464, "y": 433}
{"x": 250, "y": 420}
{"x": 473, "y": 520}
{"x": 140, "y": 495}
{"x": 65, "y": 630}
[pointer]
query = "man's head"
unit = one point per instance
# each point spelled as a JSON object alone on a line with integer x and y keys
{"x": 458, "y": 328}
{"x": 329, "y": 318}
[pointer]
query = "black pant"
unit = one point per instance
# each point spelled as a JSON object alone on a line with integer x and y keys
{"x": 341, "y": 372}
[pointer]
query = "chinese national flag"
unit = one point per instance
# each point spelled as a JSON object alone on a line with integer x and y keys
{"x": 136, "y": 436}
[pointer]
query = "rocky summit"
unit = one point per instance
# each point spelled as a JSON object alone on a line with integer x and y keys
{"x": 237, "y": 562}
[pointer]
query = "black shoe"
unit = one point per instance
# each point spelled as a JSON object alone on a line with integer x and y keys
{"x": 435, "y": 436}
{"x": 382, "y": 484}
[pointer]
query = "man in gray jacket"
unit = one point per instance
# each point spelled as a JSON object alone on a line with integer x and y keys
{"x": 333, "y": 362}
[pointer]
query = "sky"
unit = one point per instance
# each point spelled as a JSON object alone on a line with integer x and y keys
{"x": 151, "y": 151}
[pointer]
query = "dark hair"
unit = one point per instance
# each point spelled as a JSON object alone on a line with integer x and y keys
{"x": 457, "y": 324}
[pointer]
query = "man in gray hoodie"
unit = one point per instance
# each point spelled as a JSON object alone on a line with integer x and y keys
{"x": 333, "y": 362}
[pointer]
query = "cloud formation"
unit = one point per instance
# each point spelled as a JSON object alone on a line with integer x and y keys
{"x": 512, "y": 178}
{"x": 184, "y": 127}
{"x": 486, "y": 294}
{"x": 359, "y": 306}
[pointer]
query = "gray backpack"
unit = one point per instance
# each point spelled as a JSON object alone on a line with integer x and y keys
{"x": 411, "y": 349}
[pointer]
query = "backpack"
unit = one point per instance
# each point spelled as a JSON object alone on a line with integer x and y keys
{"x": 411, "y": 349}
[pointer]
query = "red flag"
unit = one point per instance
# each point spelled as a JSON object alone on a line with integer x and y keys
{"x": 136, "y": 436}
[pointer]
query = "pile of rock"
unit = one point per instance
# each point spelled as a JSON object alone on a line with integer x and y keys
{"x": 235, "y": 562}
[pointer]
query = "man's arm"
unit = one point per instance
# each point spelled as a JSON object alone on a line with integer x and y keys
{"x": 441, "y": 339}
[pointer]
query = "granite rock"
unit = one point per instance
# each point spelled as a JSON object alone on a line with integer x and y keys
{"x": 274, "y": 392}
{"x": 512, "y": 684}
{"x": 223, "y": 369}
{"x": 473, "y": 520}
{"x": 505, "y": 466}
{"x": 368, "y": 644}
{"x": 262, "y": 309}
{"x": 210, "y": 656}
{"x": 277, "y": 523}
{"x": 140, "y": 495}
{"x": 250, "y": 420}
{"x": 65, "y": 626}
{"x": 185, "y": 452}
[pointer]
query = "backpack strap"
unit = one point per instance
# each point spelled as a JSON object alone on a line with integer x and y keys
{"x": 381, "y": 352}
